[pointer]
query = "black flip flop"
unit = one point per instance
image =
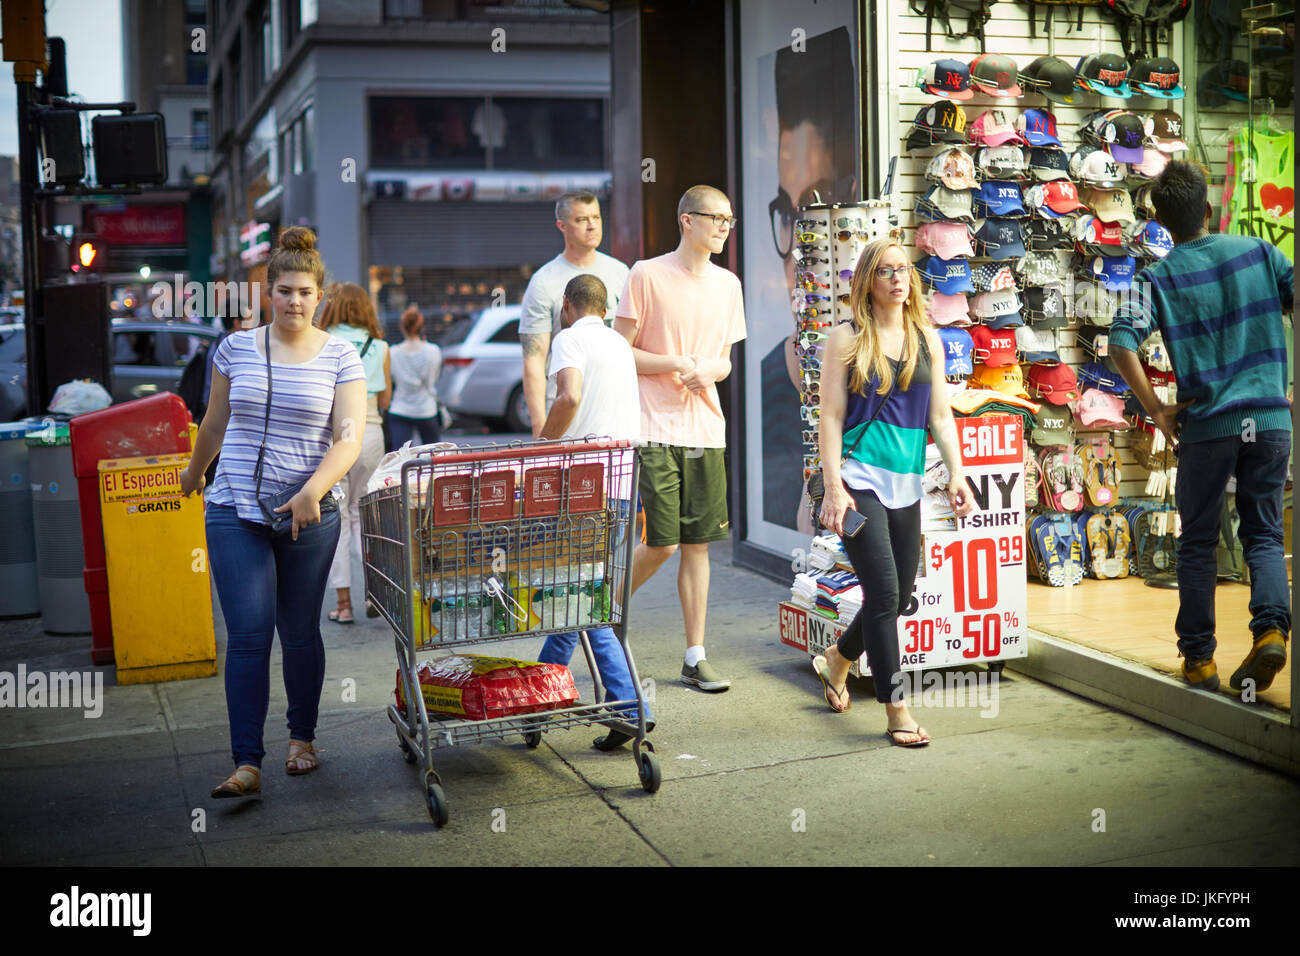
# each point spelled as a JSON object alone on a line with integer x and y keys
{"x": 904, "y": 730}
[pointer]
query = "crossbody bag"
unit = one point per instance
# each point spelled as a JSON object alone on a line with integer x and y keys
{"x": 281, "y": 521}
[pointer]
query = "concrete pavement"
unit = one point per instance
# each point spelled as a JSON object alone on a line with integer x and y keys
{"x": 761, "y": 775}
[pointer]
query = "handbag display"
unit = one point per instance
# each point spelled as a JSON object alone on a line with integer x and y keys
{"x": 280, "y": 522}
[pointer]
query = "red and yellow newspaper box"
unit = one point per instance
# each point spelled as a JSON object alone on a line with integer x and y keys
{"x": 158, "y": 583}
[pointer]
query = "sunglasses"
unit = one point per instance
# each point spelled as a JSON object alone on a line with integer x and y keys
{"x": 813, "y": 313}
{"x": 844, "y": 298}
{"x": 812, "y": 415}
{"x": 810, "y": 324}
{"x": 844, "y": 235}
{"x": 809, "y": 275}
{"x": 810, "y": 284}
{"x": 806, "y": 338}
{"x": 802, "y": 256}
{"x": 846, "y": 274}
{"x": 810, "y": 224}
{"x": 848, "y": 223}
{"x": 812, "y": 299}
{"x": 809, "y": 236}
{"x": 809, "y": 437}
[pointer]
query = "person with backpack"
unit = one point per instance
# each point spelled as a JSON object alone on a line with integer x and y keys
{"x": 349, "y": 315}
{"x": 1217, "y": 301}
{"x": 880, "y": 393}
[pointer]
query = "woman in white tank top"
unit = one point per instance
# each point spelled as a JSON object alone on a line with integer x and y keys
{"x": 413, "y": 415}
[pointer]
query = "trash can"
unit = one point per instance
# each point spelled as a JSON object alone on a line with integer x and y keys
{"x": 157, "y": 425}
{"x": 159, "y": 588}
{"x": 19, "y": 590}
{"x": 56, "y": 522}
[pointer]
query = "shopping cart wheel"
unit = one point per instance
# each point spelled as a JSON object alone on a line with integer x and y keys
{"x": 408, "y": 754}
{"x": 437, "y": 804}
{"x": 533, "y": 739}
{"x": 649, "y": 771}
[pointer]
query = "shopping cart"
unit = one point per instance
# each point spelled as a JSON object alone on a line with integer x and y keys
{"x": 489, "y": 544}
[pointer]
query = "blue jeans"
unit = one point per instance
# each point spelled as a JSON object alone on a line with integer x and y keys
{"x": 270, "y": 583}
{"x": 421, "y": 431}
{"x": 1203, "y": 472}
{"x": 611, "y": 663}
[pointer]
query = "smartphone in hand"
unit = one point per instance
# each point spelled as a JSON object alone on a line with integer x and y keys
{"x": 854, "y": 522}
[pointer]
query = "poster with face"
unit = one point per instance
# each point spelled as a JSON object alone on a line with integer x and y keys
{"x": 799, "y": 109}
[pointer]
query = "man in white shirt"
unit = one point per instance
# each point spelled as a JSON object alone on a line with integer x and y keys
{"x": 577, "y": 216}
{"x": 597, "y": 394}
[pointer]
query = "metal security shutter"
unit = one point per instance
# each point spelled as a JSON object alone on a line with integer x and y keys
{"x": 462, "y": 234}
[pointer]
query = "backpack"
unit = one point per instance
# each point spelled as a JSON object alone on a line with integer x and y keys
{"x": 1063, "y": 479}
{"x": 1140, "y": 20}
{"x": 1055, "y": 548}
{"x": 1047, "y": 16}
{"x": 976, "y": 12}
{"x": 190, "y": 388}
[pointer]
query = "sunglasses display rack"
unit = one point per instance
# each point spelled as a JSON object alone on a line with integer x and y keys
{"x": 828, "y": 240}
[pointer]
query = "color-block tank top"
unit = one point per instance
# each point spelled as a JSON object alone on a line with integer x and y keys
{"x": 890, "y": 458}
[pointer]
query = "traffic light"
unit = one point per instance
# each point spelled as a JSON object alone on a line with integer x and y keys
{"x": 88, "y": 254}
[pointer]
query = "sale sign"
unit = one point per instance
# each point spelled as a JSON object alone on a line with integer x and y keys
{"x": 969, "y": 601}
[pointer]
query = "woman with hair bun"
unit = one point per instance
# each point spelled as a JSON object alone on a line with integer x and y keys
{"x": 413, "y": 415}
{"x": 283, "y": 409}
{"x": 349, "y": 316}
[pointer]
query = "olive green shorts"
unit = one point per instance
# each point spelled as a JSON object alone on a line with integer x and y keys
{"x": 684, "y": 494}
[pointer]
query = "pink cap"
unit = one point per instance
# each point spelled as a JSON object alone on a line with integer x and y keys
{"x": 947, "y": 240}
{"x": 948, "y": 309}
{"x": 1153, "y": 163}
{"x": 1097, "y": 407}
{"x": 994, "y": 128}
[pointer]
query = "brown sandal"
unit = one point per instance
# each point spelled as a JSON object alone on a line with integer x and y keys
{"x": 300, "y": 750}
{"x": 234, "y": 786}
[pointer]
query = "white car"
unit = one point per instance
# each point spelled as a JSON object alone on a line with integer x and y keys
{"x": 483, "y": 369}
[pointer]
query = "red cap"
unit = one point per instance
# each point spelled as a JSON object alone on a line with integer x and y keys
{"x": 1054, "y": 383}
{"x": 995, "y": 348}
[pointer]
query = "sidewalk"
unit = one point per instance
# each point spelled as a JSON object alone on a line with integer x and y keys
{"x": 742, "y": 771}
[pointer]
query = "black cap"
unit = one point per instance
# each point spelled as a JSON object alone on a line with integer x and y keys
{"x": 1052, "y": 77}
{"x": 940, "y": 122}
{"x": 1104, "y": 73}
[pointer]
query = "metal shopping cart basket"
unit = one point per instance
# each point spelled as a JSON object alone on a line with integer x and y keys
{"x": 488, "y": 544}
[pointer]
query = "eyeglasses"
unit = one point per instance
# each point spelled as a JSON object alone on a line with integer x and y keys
{"x": 718, "y": 218}
{"x": 806, "y": 237}
{"x": 780, "y": 211}
{"x": 888, "y": 272}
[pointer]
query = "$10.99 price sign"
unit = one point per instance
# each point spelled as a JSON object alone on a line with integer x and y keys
{"x": 968, "y": 604}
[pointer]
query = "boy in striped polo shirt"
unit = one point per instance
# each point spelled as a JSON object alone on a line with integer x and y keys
{"x": 1217, "y": 301}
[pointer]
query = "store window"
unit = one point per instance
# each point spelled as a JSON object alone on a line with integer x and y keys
{"x": 550, "y": 134}
{"x": 426, "y": 133}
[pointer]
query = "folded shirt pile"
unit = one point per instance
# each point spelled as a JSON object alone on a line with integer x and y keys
{"x": 827, "y": 551}
{"x": 803, "y": 593}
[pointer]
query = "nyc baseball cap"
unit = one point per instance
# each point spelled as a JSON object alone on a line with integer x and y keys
{"x": 991, "y": 277}
{"x": 944, "y": 239}
{"x": 953, "y": 167}
{"x": 1000, "y": 239}
{"x": 994, "y": 127}
{"x": 947, "y": 78}
{"x": 1157, "y": 77}
{"x": 995, "y": 75}
{"x": 1113, "y": 272}
{"x": 1001, "y": 162}
{"x": 1097, "y": 168}
{"x": 957, "y": 351}
{"x": 990, "y": 305}
{"x": 1096, "y": 238}
{"x": 1123, "y": 136}
{"x": 1037, "y": 345}
{"x": 1050, "y": 76}
{"x": 1052, "y": 426}
{"x": 1111, "y": 205}
{"x": 1045, "y": 305}
{"x": 1167, "y": 131}
{"x": 1006, "y": 379}
{"x": 998, "y": 198}
{"x": 1104, "y": 73}
{"x": 1037, "y": 128}
{"x": 948, "y": 309}
{"x": 1054, "y": 383}
{"x": 948, "y": 276}
{"x": 1048, "y": 163}
{"x": 1054, "y": 199}
{"x": 940, "y": 202}
{"x": 941, "y": 122}
{"x": 994, "y": 347}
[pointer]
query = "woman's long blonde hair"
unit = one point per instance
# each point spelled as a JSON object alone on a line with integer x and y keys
{"x": 866, "y": 358}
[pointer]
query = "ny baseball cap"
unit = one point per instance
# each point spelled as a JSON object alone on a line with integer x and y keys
{"x": 1052, "y": 426}
{"x": 948, "y": 309}
{"x": 1054, "y": 199}
{"x": 1097, "y": 168}
{"x": 1152, "y": 165}
{"x": 1000, "y": 239}
{"x": 1104, "y": 73}
{"x": 994, "y": 75}
{"x": 1113, "y": 272}
{"x": 957, "y": 351}
{"x": 1037, "y": 268}
{"x": 1052, "y": 77}
{"x": 990, "y": 305}
{"x": 941, "y": 122}
{"x": 991, "y": 277}
{"x": 1043, "y": 234}
{"x": 940, "y": 202}
{"x": 1045, "y": 305}
{"x": 1152, "y": 239}
{"x": 947, "y": 78}
{"x": 948, "y": 276}
{"x": 1006, "y": 321}
{"x": 1094, "y": 408}
{"x": 1006, "y": 379}
{"x": 1167, "y": 131}
{"x": 1142, "y": 201}
{"x": 998, "y": 198}
{"x": 994, "y": 127}
{"x": 1157, "y": 77}
{"x": 1123, "y": 136}
{"x": 1047, "y": 163}
{"x": 944, "y": 239}
{"x": 1111, "y": 205}
{"x": 1037, "y": 345}
{"x": 953, "y": 167}
{"x": 1037, "y": 128}
{"x": 994, "y": 347}
{"x": 1099, "y": 238}
{"x": 1001, "y": 162}
{"x": 1094, "y": 304}
{"x": 1054, "y": 383}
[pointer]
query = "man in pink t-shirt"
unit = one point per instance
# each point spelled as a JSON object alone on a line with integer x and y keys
{"x": 682, "y": 314}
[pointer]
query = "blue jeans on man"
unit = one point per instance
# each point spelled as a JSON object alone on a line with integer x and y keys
{"x": 1203, "y": 472}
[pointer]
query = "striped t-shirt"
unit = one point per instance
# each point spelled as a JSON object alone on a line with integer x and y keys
{"x": 890, "y": 458}
{"x": 300, "y": 430}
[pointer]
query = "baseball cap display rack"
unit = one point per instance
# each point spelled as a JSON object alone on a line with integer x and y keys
{"x": 829, "y": 239}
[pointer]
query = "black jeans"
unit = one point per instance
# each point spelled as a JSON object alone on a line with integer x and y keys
{"x": 884, "y": 555}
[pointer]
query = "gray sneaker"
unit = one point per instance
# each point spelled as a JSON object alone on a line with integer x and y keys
{"x": 703, "y": 676}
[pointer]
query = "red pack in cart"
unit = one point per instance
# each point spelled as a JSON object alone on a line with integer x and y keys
{"x": 477, "y": 688}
